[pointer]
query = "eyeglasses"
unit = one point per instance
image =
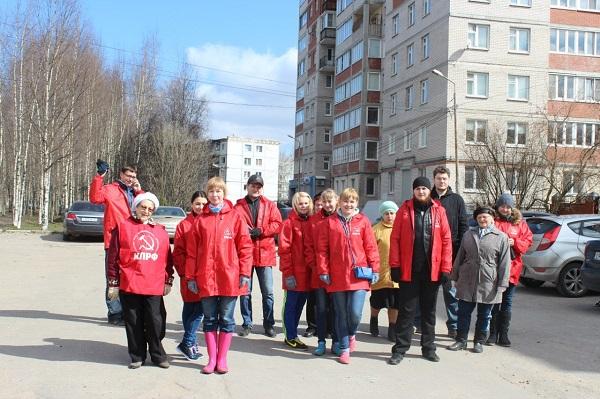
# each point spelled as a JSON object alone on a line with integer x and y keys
{"x": 146, "y": 208}
{"x": 130, "y": 176}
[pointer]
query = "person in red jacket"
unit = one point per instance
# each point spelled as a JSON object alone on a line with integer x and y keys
{"x": 346, "y": 242}
{"x": 420, "y": 259}
{"x": 191, "y": 315}
{"x": 140, "y": 272}
{"x": 117, "y": 198}
{"x": 264, "y": 222}
{"x": 510, "y": 222}
{"x": 324, "y": 314}
{"x": 293, "y": 263}
{"x": 217, "y": 268}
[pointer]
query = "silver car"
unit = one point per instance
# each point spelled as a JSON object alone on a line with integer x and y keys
{"x": 169, "y": 216}
{"x": 83, "y": 219}
{"x": 557, "y": 252}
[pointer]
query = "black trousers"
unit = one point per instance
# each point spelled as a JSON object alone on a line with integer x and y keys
{"x": 418, "y": 293}
{"x": 145, "y": 325}
{"x": 311, "y": 303}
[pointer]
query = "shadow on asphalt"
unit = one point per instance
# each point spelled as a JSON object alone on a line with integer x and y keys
{"x": 57, "y": 237}
{"x": 69, "y": 350}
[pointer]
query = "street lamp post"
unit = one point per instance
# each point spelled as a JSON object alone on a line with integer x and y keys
{"x": 441, "y": 75}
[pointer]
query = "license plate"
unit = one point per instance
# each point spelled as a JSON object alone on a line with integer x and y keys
{"x": 597, "y": 256}
{"x": 89, "y": 219}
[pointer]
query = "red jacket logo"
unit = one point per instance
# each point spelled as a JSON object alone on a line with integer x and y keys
{"x": 227, "y": 234}
{"x": 145, "y": 245}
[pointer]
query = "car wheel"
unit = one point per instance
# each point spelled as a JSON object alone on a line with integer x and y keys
{"x": 570, "y": 283}
{"x": 531, "y": 283}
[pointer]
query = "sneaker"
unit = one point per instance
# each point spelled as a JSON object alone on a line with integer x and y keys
{"x": 270, "y": 332}
{"x": 163, "y": 365}
{"x": 245, "y": 331}
{"x": 320, "y": 349}
{"x": 189, "y": 352}
{"x": 458, "y": 346}
{"x": 310, "y": 332}
{"x": 197, "y": 350}
{"x": 135, "y": 365}
{"x": 395, "y": 359}
{"x": 344, "y": 357}
{"x": 295, "y": 343}
{"x": 431, "y": 356}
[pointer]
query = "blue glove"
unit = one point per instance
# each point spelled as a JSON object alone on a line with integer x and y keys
{"x": 325, "y": 278}
{"x": 192, "y": 286}
{"x": 244, "y": 280}
{"x": 290, "y": 282}
{"x": 375, "y": 278}
{"x": 101, "y": 167}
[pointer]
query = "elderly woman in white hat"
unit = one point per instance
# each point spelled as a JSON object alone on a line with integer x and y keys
{"x": 140, "y": 273}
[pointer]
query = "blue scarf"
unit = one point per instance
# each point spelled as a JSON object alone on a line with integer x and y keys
{"x": 215, "y": 209}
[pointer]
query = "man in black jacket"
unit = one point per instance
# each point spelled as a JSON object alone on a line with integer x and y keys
{"x": 457, "y": 219}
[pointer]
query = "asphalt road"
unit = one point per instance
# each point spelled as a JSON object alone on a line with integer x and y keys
{"x": 55, "y": 343}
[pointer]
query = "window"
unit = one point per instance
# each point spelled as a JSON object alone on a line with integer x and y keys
{"x": 425, "y": 91}
{"x": 392, "y": 144}
{"x": 409, "y": 98}
{"x": 300, "y": 93}
{"x": 247, "y": 147}
{"x": 371, "y": 150}
{"x": 515, "y": 133}
{"x": 370, "y": 186}
{"x": 259, "y": 148}
{"x": 329, "y": 81}
{"x": 410, "y": 55}
{"x": 342, "y": 5}
{"x": 373, "y": 116}
{"x": 574, "y": 42}
{"x": 522, "y": 3}
{"x": 374, "y": 81}
{"x": 327, "y": 136}
{"x": 574, "y": 134}
{"x": 375, "y": 48}
{"x": 347, "y": 121}
{"x": 223, "y": 160}
{"x": 411, "y": 14}
{"x": 407, "y": 141}
{"x": 391, "y": 178}
{"x": 393, "y": 103}
{"x": 426, "y": 7}
{"x": 518, "y": 87}
{"x": 423, "y": 137}
{"x": 422, "y": 172}
{"x": 260, "y": 173}
{"x": 478, "y": 36}
{"x": 303, "y": 19}
{"x": 571, "y": 184}
{"x": 519, "y": 40}
{"x": 425, "y": 46}
{"x": 246, "y": 174}
{"x": 302, "y": 43}
{"x": 247, "y": 161}
{"x": 474, "y": 178}
{"x": 325, "y": 163}
{"x": 477, "y": 84}
{"x": 328, "y": 20}
{"x": 343, "y": 32}
{"x": 512, "y": 179}
{"x": 590, "y": 228}
{"x": 574, "y": 88}
{"x": 475, "y": 131}
{"x": 395, "y": 25}
{"x": 356, "y": 52}
{"x": 395, "y": 65}
{"x": 327, "y": 109}
{"x": 342, "y": 62}
{"x": 258, "y": 162}
{"x": 301, "y": 67}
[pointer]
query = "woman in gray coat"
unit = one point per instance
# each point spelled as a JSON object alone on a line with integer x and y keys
{"x": 481, "y": 271}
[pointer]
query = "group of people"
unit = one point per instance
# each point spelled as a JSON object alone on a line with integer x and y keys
{"x": 329, "y": 257}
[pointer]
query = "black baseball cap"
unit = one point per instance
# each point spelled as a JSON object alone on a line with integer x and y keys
{"x": 255, "y": 179}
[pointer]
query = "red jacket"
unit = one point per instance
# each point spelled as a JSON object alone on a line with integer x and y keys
{"x": 402, "y": 240}
{"x": 522, "y": 236}
{"x": 311, "y": 257}
{"x": 269, "y": 221}
{"x": 116, "y": 204}
{"x": 139, "y": 258}
{"x": 179, "y": 255}
{"x": 294, "y": 251}
{"x": 219, "y": 251}
{"x": 334, "y": 255}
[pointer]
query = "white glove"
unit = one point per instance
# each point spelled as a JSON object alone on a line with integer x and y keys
{"x": 166, "y": 290}
{"x": 113, "y": 293}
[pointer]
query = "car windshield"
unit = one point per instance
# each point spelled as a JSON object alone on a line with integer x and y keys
{"x": 540, "y": 226}
{"x": 87, "y": 207}
{"x": 169, "y": 211}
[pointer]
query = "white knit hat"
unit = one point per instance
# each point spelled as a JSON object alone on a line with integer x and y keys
{"x": 145, "y": 196}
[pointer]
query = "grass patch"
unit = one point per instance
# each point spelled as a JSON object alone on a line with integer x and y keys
{"x": 29, "y": 223}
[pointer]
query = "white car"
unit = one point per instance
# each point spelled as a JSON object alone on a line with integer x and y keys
{"x": 169, "y": 216}
{"x": 557, "y": 252}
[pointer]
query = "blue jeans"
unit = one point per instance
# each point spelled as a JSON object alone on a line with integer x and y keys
{"x": 218, "y": 313}
{"x": 191, "y": 316}
{"x": 265, "y": 280}
{"x": 484, "y": 314}
{"x": 507, "y": 298}
{"x": 348, "y": 312}
{"x": 451, "y": 306}
{"x": 114, "y": 306}
{"x": 292, "y": 310}
{"x": 324, "y": 314}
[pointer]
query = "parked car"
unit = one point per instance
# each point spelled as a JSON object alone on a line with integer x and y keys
{"x": 83, "y": 219}
{"x": 169, "y": 216}
{"x": 557, "y": 252}
{"x": 590, "y": 271}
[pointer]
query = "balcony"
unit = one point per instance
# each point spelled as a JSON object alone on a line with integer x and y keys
{"x": 375, "y": 30}
{"x": 327, "y": 36}
{"x": 328, "y": 5}
{"x": 326, "y": 64}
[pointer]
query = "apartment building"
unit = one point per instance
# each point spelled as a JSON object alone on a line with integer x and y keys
{"x": 235, "y": 159}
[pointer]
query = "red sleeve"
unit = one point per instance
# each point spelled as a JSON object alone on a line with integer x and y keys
{"x": 273, "y": 226}
{"x": 370, "y": 246}
{"x": 446, "y": 261}
{"x": 523, "y": 242}
{"x": 179, "y": 250}
{"x": 97, "y": 190}
{"x": 244, "y": 247}
{"x": 112, "y": 271}
{"x": 285, "y": 249}
{"x": 309, "y": 246}
{"x": 322, "y": 252}
{"x": 191, "y": 251}
{"x": 394, "y": 258}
